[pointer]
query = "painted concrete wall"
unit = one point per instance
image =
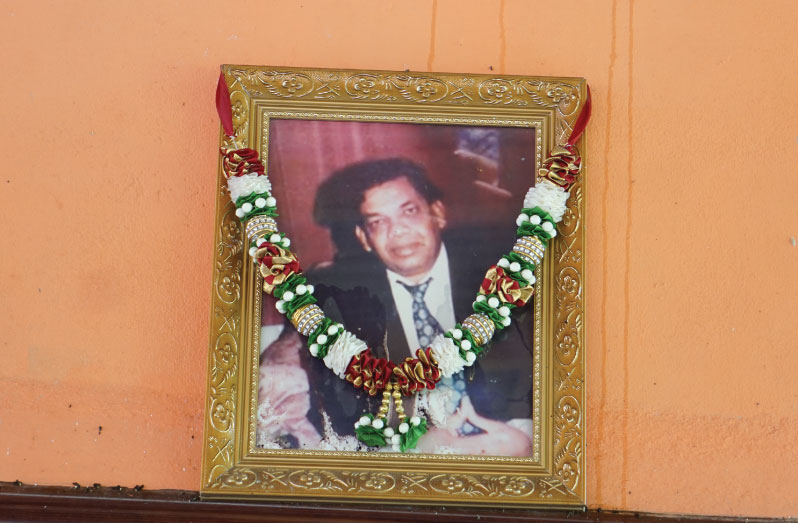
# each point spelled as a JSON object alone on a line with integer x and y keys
{"x": 109, "y": 153}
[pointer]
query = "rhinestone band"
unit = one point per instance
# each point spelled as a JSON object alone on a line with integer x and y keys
{"x": 307, "y": 318}
{"x": 260, "y": 225}
{"x": 530, "y": 248}
{"x": 480, "y": 327}
{"x": 533, "y": 242}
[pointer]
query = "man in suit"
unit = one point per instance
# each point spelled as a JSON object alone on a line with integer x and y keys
{"x": 399, "y": 278}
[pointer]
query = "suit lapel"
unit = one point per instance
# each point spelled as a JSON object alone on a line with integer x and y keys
{"x": 397, "y": 346}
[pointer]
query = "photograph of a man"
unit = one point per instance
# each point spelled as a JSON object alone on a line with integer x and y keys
{"x": 402, "y": 273}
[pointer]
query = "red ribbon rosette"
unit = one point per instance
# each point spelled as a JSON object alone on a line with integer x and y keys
{"x": 562, "y": 167}
{"x": 419, "y": 373}
{"x": 500, "y": 284}
{"x": 238, "y": 162}
{"x": 368, "y": 372}
{"x": 276, "y": 265}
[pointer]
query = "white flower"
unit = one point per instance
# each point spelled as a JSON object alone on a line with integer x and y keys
{"x": 341, "y": 352}
{"x": 247, "y": 184}
{"x": 549, "y": 197}
{"x": 447, "y": 355}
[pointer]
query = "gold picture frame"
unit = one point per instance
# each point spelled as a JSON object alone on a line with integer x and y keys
{"x": 553, "y": 474}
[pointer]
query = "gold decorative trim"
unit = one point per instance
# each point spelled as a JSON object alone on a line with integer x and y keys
{"x": 554, "y": 474}
{"x": 563, "y": 96}
{"x": 365, "y": 485}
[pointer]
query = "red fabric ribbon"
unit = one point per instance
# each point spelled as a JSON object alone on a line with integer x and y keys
{"x": 581, "y": 120}
{"x": 276, "y": 265}
{"x": 223, "y": 106}
{"x": 368, "y": 372}
{"x": 419, "y": 373}
{"x": 238, "y": 162}
{"x": 504, "y": 287}
{"x": 562, "y": 166}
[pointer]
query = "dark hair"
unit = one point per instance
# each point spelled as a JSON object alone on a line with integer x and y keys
{"x": 339, "y": 197}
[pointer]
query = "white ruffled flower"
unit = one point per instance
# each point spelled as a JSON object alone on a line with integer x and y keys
{"x": 341, "y": 352}
{"x": 247, "y": 184}
{"x": 447, "y": 355}
{"x": 549, "y": 197}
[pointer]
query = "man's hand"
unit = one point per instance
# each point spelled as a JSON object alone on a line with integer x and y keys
{"x": 497, "y": 438}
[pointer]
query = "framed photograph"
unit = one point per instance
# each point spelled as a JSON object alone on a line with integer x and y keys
{"x": 398, "y": 191}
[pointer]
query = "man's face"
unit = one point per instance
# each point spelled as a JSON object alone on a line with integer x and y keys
{"x": 401, "y": 227}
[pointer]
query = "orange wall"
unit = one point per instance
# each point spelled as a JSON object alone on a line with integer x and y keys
{"x": 109, "y": 142}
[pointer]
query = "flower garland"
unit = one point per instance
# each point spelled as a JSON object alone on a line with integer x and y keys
{"x": 507, "y": 284}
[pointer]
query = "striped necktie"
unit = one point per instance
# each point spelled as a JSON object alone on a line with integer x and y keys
{"x": 427, "y": 327}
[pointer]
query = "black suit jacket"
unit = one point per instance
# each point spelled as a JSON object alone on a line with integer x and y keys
{"x": 356, "y": 292}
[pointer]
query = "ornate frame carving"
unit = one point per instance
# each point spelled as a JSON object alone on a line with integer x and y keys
{"x": 555, "y": 473}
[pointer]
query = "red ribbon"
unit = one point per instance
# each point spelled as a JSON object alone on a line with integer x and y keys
{"x": 581, "y": 121}
{"x": 237, "y": 162}
{"x": 223, "y": 106}
{"x": 368, "y": 372}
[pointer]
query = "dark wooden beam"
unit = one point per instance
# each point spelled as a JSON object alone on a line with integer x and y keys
{"x": 19, "y": 502}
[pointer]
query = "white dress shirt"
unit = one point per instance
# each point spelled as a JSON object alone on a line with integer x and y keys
{"x": 438, "y": 298}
